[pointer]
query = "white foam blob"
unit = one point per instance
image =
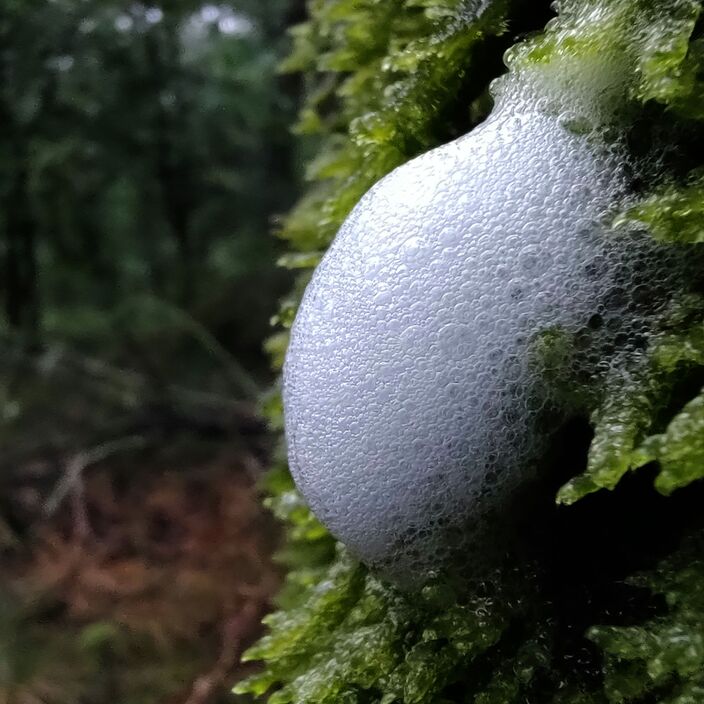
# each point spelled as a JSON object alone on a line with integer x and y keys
{"x": 410, "y": 399}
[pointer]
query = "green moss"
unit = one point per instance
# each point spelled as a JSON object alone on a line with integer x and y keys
{"x": 667, "y": 60}
{"x": 351, "y": 633}
{"x": 625, "y": 421}
{"x": 386, "y": 80}
{"x": 620, "y": 423}
{"x": 672, "y": 215}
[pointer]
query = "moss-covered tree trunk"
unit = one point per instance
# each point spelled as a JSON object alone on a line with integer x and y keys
{"x": 604, "y": 598}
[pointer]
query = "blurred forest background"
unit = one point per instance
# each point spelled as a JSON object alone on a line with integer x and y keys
{"x": 145, "y": 153}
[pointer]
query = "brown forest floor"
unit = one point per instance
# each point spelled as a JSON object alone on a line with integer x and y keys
{"x": 159, "y": 571}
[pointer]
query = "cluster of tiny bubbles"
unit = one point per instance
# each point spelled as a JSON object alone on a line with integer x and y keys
{"x": 410, "y": 398}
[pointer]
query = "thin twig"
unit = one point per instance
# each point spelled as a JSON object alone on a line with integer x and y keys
{"x": 82, "y": 460}
{"x": 81, "y": 523}
{"x": 237, "y": 630}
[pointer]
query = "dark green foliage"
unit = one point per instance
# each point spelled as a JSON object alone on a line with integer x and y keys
{"x": 387, "y": 80}
{"x": 666, "y": 654}
{"x": 143, "y": 151}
